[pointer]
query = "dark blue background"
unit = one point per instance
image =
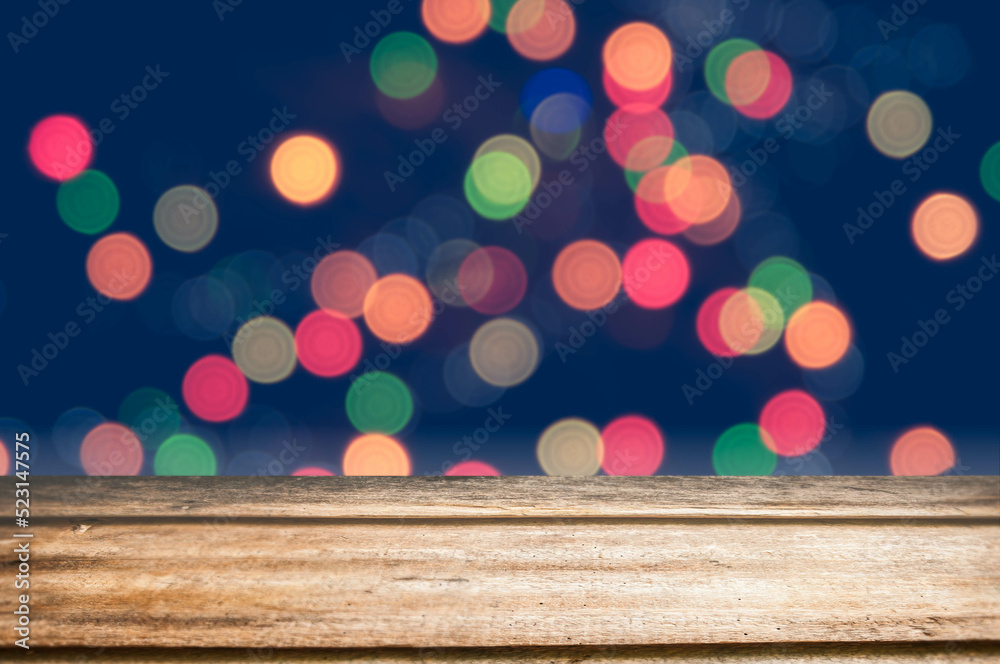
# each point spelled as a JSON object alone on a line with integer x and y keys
{"x": 225, "y": 77}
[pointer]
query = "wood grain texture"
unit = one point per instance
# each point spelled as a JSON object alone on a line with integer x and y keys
{"x": 430, "y": 497}
{"x": 468, "y": 583}
{"x": 758, "y": 566}
{"x": 849, "y": 653}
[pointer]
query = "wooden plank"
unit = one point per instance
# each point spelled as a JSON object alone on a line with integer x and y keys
{"x": 507, "y": 582}
{"x": 685, "y": 569}
{"x": 850, "y": 653}
{"x": 457, "y": 497}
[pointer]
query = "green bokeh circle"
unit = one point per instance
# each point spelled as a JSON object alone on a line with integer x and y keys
{"x": 184, "y": 454}
{"x": 88, "y": 203}
{"x": 378, "y": 402}
{"x": 989, "y": 171}
{"x": 740, "y": 450}
{"x": 718, "y": 61}
{"x": 498, "y": 185}
{"x": 786, "y": 280}
{"x": 498, "y": 14}
{"x": 403, "y": 65}
{"x": 772, "y": 321}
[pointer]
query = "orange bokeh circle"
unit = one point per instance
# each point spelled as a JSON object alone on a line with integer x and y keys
{"x": 376, "y": 454}
{"x": 541, "y": 29}
{"x": 944, "y": 226}
{"x": 637, "y": 56}
{"x": 111, "y": 449}
{"x": 817, "y": 336}
{"x": 587, "y": 274}
{"x": 305, "y": 169}
{"x": 455, "y": 21}
{"x": 119, "y": 266}
{"x": 398, "y": 308}
{"x": 921, "y": 451}
{"x": 740, "y": 322}
{"x": 698, "y": 188}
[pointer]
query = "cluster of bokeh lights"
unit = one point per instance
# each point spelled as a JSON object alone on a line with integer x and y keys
{"x": 392, "y": 288}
